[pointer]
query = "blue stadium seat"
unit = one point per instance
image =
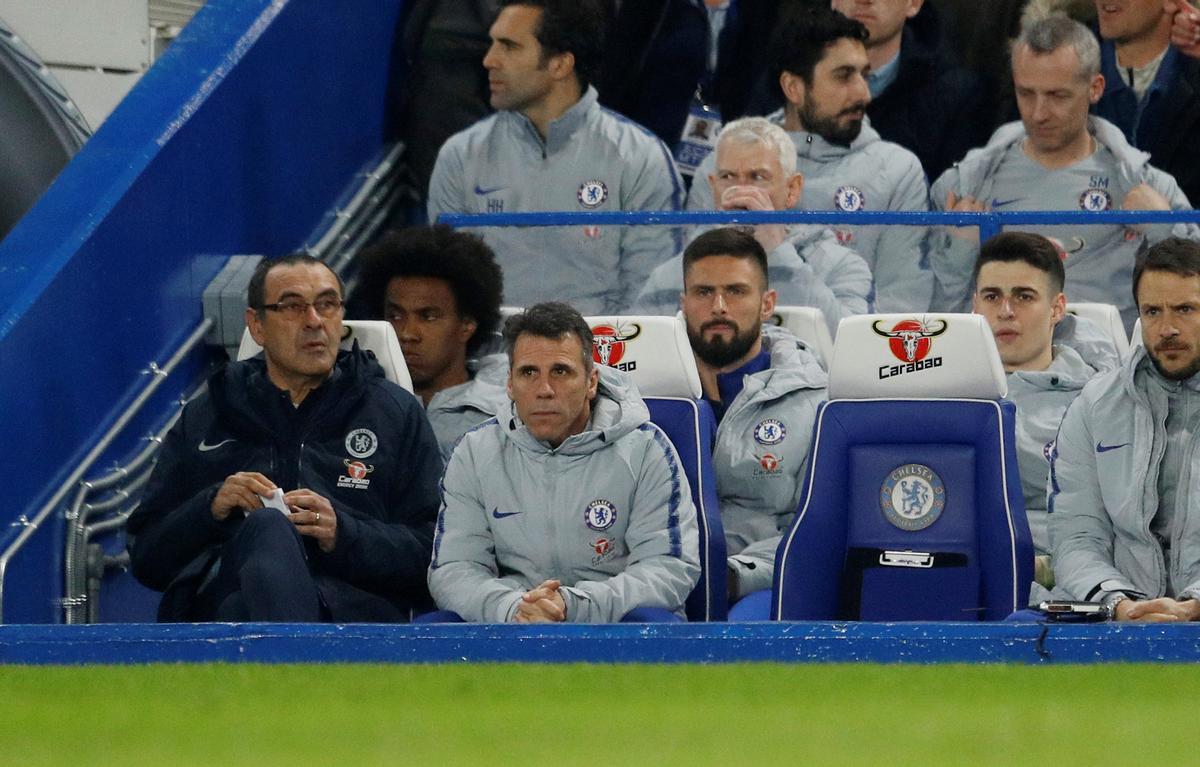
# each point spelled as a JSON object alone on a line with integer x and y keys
{"x": 913, "y": 507}
{"x": 654, "y": 350}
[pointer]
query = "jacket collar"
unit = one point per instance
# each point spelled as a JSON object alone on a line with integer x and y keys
{"x": 560, "y": 131}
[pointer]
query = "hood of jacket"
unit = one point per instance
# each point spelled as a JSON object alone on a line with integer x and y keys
{"x": 488, "y": 387}
{"x": 816, "y": 148}
{"x": 617, "y": 410}
{"x": 1068, "y": 372}
{"x": 981, "y": 163}
{"x": 793, "y": 367}
{"x": 1092, "y": 342}
{"x": 252, "y": 404}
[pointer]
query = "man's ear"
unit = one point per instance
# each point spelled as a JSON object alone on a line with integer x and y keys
{"x": 795, "y": 187}
{"x": 562, "y": 65}
{"x": 469, "y": 326}
{"x": 792, "y": 86}
{"x": 1058, "y": 309}
{"x": 254, "y": 324}
{"x": 768, "y": 304}
{"x": 1095, "y": 89}
{"x": 593, "y": 381}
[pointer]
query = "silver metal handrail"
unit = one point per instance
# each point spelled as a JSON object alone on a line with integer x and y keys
{"x": 157, "y": 376}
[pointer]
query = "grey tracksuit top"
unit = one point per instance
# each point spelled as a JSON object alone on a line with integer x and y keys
{"x": 870, "y": 174}
{"x": 760, "y": 471}
{"x": 1104, "y": 492}
{"x": 810, "y": 268}
{"x": 1041, "y": 397}
{"x": 1099, "y": 259}
{"x": 591, "y": 160}
{"x": 453, "y": 411}
{"x": 608, "y": 513}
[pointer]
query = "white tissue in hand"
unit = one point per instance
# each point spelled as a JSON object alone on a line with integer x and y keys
{"x": 275, "y": 501}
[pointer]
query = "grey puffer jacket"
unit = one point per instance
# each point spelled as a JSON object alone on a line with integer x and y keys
{"x": 1104, "y": 492}
{"x": 608, "y": 513}
{"x": 761, "y": 456}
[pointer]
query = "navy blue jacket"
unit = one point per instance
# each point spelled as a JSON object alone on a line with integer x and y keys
{"x": 246, "y": 423}
{"x": 1165, "y": 125}
{"x": 935, "y": 108}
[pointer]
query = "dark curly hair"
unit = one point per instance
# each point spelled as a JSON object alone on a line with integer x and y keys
{"x": 461, "y": 259}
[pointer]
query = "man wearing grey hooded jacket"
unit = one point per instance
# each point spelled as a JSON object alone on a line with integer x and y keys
{"x": 573, "y": 508}
{"x": 819, "y": 61}
{"x": 1056, "y": 158}
{"x": 1019, "y": 290}
{"x": 1124, "y": 494}
{"x": 764, "y": 387}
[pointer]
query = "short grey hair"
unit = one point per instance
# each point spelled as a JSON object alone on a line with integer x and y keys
{"x": 760, "y": 130}
{"x": 1047, "y": 35}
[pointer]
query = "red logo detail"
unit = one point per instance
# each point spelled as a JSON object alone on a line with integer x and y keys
{"x": 769, "y": 462}
{"x": 844, "y": 236}
{"x": 909, "y": 339}
{"x": 601, "y": 546}
{"x": 591, "y": 232}
{"x": 608, "y": 342}
{"x": 357, "y": 469}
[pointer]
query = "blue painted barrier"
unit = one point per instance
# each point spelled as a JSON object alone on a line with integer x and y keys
{"x": 237, "y": 141}
{"x": 1029, "y": 643}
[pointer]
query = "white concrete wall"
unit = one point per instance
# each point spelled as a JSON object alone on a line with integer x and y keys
{"x": 96, "y": 48}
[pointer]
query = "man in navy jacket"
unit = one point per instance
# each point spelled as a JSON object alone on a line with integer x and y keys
{"x": 349, "y": 457}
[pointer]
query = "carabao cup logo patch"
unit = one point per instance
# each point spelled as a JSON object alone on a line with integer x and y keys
{"x": 608, "y": 341}
{"x": 912, "y": 497}
{"x": 909, "y": 340}
{"x": 600, "y": 514}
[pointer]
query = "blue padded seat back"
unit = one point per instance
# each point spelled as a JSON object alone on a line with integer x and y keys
{"x": 691, "y": 427}
{"x": 843, "y": 559}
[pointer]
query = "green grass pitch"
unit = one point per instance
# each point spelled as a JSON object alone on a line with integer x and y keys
{"x": 609, "y": 715}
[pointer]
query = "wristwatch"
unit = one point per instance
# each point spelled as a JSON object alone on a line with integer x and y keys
{"x": 1110, "y": 604}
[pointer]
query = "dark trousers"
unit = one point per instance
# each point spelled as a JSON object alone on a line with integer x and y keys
{"x": 263, "y": 576}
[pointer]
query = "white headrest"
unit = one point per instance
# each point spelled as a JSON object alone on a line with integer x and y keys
{"x": 376, "y": 336}
{"x": 1108, "y": 318}
{"x": 808, "y": 324}
{"x": 652, "y": 349}
{"x": 909, "y": 355}
{"x": 508, "y": 311}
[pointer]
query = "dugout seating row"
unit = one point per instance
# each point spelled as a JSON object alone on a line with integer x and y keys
{"x": 912, "y": 508}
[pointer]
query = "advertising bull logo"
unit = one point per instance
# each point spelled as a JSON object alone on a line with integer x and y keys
{"x": 909, "y": 339}
{"x": 608, "y": 342}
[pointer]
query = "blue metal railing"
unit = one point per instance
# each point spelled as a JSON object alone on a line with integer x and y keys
{"x": 988, "y": 224}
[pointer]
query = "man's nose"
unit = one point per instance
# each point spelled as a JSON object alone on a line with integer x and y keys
{"x": 489, "y": 58}
{"x": 311, "y": 318}
{"x": 1006, "y": 307}
{"x": 719, "y": 306}
{"x": 405, "y": 331}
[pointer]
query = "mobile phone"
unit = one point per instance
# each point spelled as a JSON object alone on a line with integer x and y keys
{"x": 1069, "y": 610}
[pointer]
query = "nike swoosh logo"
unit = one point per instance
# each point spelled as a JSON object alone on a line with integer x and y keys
{"x": 497, "y": 514}
{"x": 205, "y": 447}
{"x": 1001, "y": 203}
{"x": 1103, "y": 448}
{"x": 485, "y": 192}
